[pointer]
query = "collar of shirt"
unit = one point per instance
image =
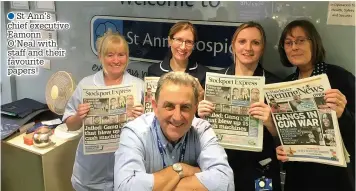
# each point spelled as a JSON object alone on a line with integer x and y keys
{"x": 99, "y": 78}
{"x": 164, "y": 141}
{"x": 320, "y": 68}
{"x": 258, "y": 71}
{"x": 166, "y": 67}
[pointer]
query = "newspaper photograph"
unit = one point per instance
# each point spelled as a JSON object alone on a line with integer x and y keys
{"x": 150, "y": 90}
{"x": 232, "y": 97}
{"x": 308, "y": 129}
{"x": 110, "y": 108}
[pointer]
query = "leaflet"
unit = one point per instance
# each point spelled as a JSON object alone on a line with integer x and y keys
{"x": 150, "y": 91}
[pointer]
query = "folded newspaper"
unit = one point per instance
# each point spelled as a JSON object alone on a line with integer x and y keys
{"x": 110, "y": 108}
{"x": 307, "y": 127}
{"x": 232, "y": 97}
{"x": 150, "y": 90}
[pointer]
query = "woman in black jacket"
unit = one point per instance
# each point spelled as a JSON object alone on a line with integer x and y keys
{"x": 300, "y": 45}
{"x": 248, "y": 44}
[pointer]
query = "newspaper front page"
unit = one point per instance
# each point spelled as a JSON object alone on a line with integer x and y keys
{"x": 150, "y": 91}
{"x": 110, "y": 108}
{"x": 307, "y": 127}
{"x": 232, "y": 97}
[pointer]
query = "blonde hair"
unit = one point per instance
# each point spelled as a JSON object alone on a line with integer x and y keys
{"x": 108, "y": 42}
{"x": 249, "y": 24}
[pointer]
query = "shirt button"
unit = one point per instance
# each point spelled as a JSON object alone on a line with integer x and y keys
{"x": 172, "y": 157}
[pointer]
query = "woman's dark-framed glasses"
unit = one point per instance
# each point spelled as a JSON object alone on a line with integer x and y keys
{"x": 180, "y": 41}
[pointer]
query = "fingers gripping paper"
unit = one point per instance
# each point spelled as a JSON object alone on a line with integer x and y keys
{"x": 307, "y": 127}
{"x": 232, "y": 97}
{"x": 110, "y": 108}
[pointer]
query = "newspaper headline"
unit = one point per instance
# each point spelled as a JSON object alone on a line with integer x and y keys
{"x": 232, "y": 97}
{"x": 110, "y": 108}
{"x": 307, "y": 127}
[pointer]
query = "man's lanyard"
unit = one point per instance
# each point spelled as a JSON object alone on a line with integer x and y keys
{"x": 160, "y": 146}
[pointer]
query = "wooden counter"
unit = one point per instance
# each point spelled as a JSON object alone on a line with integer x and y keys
{"x": 30, "y": 168}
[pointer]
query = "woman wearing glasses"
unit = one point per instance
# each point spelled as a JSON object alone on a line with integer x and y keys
{"x": 248, "y": 44}
{"x": 181, "y": 40}
{"x": 300, "y": 45}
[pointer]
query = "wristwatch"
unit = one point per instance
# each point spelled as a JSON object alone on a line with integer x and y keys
{"x": 179, "y": 169}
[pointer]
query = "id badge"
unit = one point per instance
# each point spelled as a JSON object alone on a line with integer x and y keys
{"x": 263, "y": 183}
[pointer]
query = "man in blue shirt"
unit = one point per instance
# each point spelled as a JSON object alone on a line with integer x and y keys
{"x": 170, "y": 149}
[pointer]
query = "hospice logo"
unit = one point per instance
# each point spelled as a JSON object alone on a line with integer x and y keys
{"x": 102, "y": 24}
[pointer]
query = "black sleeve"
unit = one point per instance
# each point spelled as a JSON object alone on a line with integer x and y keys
{"x": 344, "y": 81}
{"x": 350, "y": 92}
{"x": 347, "y": 130}
{"x": 347, "y": 119}
{"x": 347, "y": 124}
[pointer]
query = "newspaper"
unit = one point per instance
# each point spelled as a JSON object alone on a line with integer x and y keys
{"x": 150, "y": 90}
{"x": 232, "y": 97}
{"x": 110, "y": 108}
{"x": 307, "y": 127}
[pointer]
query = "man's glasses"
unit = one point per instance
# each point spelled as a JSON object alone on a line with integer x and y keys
{"x": 299, "y": 41}
{"x": 180, "y": 41}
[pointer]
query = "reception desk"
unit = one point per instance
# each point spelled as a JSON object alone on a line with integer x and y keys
{"x": 30, "y": 168}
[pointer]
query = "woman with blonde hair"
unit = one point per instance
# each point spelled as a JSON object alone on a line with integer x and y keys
{"x": 96, "y": 171}
{"x": 248, "y": 44}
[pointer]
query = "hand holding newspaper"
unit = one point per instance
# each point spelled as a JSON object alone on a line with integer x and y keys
{"x": 307, "y": 127}
{"x": 110, "y": 108}
{"x": 232, "y": 97}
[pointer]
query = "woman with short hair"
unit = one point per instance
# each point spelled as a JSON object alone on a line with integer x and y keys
{"x": 300, "y": 45}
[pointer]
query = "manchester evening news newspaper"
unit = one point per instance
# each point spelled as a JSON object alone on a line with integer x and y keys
{"x": 110, "y": 108}
{"x": 307, "y": 127}
{"x": 232, "y": 97}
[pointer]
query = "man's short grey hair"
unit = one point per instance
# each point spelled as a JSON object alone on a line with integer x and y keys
{"x": 178, "y": 78}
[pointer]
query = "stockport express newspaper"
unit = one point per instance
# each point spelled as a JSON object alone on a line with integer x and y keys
{"x": 307, "y": 127}
{"x": 110, "y": 108}
{"x": 232, "y": 97}
{"x": 150, "y": 90}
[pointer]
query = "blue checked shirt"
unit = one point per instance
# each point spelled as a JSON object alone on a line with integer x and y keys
{"x": 138, "y": 156}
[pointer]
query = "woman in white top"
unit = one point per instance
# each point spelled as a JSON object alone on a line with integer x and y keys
{"x": 96, "y": 172}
